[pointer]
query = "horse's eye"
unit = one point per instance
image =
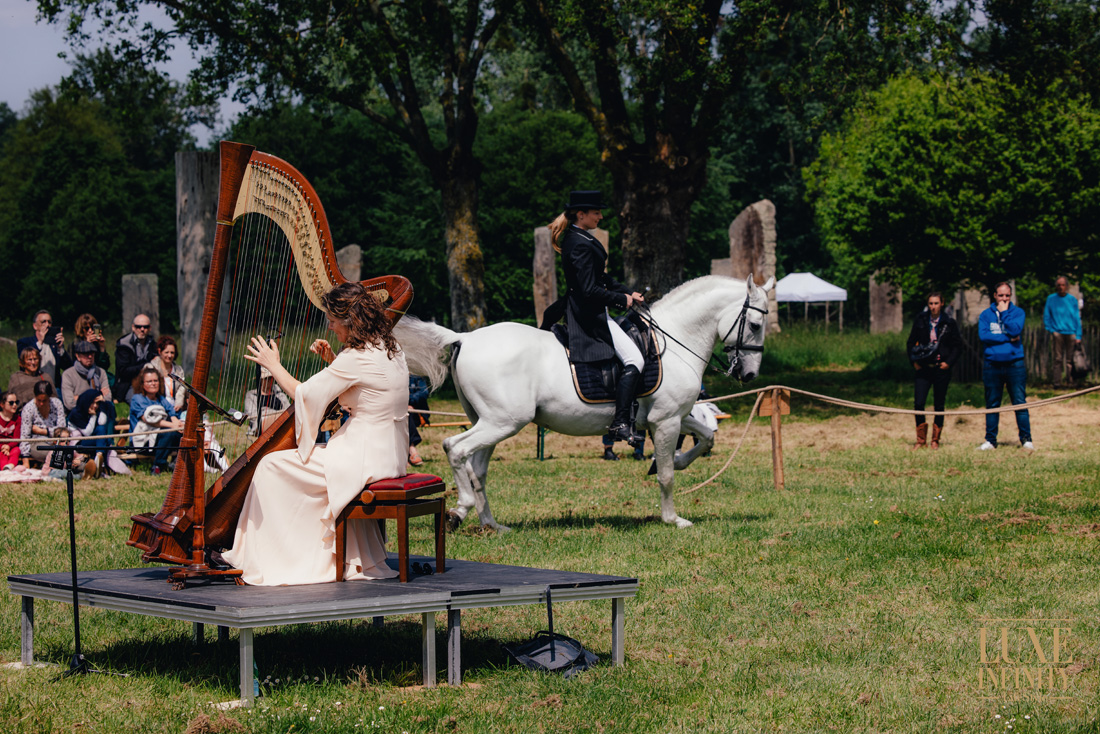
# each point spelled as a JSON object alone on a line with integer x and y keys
{"x": 754, "y": 326}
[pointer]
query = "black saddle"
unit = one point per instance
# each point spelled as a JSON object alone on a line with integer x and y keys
{"x": 595, "y": 381}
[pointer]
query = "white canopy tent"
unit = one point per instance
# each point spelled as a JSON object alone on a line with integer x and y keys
{"x": 807, "y": 288}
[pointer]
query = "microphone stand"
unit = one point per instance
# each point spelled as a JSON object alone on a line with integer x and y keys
{"x": 236, "y": 417}
{"x": 78, "y": 665}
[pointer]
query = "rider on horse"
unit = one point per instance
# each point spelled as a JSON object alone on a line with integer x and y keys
{"x": 593, "y": 336}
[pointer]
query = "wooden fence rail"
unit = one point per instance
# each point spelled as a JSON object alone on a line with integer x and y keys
{"x": 1037, "y": 353}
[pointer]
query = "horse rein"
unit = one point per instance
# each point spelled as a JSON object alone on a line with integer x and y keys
{"x": 739, "y": 324}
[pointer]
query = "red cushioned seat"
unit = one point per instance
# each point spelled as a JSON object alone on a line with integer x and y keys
{"x": 397, "y": 499}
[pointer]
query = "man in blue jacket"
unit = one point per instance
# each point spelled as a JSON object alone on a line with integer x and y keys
{"x": 1062, "y": 319}
{"x": 999, "y": 328}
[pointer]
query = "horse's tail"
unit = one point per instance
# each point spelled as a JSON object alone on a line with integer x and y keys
{"x": 426, "y": 347}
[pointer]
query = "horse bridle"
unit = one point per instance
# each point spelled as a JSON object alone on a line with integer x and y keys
{"x": 740, "y": 346}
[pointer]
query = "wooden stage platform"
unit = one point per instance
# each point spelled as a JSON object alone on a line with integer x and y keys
{"x": 465, "y": 585}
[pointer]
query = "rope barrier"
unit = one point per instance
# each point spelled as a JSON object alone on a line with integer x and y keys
{"x": 908, "y": 411}
{"x": 760, "y": 392}
{"x": 81, "y": 437}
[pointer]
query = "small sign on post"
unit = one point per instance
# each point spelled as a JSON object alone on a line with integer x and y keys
{"x": 776, "y": 404}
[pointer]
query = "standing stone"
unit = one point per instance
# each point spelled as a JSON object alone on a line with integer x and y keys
{"x": 545, "y": 273}
{"x": 968, "y": 304}
{"x": 197, "y": 183}
{"x": 752, "y": 250}
{"x": 350, "y": 261}
{"x": 605, "y": 238}
{"x": 722, "y": 267}
{"x": 139, "y": 295}
{"x": 885, "y": 305}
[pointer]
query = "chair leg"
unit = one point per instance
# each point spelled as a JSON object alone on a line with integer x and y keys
{"x": 440, "y": 542}
{"x": 403, "y": 543}
{"x": 341, "y": 545}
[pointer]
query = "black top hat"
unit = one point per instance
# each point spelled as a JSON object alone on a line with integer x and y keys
{"x": 83, "y": 347}
{"x": 586, "y": 200}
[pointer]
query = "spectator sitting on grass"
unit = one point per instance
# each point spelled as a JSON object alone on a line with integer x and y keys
{"x": 44, "y": 416}
{"x": 10, "y": 421}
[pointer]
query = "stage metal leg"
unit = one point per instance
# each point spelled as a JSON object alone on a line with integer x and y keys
{"x": 26, "y": 631}
{"x": 427, "y": 633}
{"x": 247, "y": 680}
{"x": 198, "y": 633}
{"x": 378, "y": 622}
{"x": 618, "y": 615}
{"x": 454, "y": 647}
{"x": 223, "y": 633}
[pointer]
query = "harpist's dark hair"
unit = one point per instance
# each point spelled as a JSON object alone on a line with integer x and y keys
{"x": 363, "y": 314}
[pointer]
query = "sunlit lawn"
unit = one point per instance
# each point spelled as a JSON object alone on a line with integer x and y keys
{"x": 851, "y": 601}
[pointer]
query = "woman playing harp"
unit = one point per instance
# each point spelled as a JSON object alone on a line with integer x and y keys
{"x": 286, "y": 530}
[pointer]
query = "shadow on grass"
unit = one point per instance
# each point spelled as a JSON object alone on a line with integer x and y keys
{"x": 626, "y": 522}
{"x": 354, "y": 653}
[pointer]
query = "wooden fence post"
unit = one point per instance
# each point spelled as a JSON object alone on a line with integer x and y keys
{"x": 776, "y": 405}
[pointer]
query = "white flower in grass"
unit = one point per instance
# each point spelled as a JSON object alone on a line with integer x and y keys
{"x": 381, "y": 708}
{"x": 1027, "y": 716}
{"x": 313, "y": 718}
{"x": 996, "y": 716}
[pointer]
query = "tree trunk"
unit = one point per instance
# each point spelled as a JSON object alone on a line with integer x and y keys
{"x": 656, "y": 203}
{"x": 465, "y": 263}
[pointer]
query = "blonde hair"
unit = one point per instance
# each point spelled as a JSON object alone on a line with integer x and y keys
{"x": 559, "y": 224}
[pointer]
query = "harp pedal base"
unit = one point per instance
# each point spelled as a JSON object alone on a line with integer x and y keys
{"x": 179, "y": 576}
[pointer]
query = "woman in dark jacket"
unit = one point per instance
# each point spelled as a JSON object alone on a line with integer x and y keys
{"x": 938, "y": 334}
{"x": 590, "y": 291}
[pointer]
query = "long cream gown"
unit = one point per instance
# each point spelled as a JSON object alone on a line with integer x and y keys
{"x": 286, "y": 531}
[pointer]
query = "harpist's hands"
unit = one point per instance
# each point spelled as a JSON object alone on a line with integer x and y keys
{"x": 322, "y": 349}
{"x": 264, "y": 353}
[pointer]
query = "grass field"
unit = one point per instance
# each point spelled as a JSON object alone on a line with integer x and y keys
{"x": 852, "y": 601}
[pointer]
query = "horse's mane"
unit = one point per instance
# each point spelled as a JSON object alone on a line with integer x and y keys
{"x": 694, "y": 287}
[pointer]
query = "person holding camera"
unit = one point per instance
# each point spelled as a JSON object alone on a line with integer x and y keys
{"x": 50, "y": 343}
{"x": 933, "y": 346}
{"x": 88, "y": 329}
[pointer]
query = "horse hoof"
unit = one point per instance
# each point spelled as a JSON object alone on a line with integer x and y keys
{"x": 682, "y": 523}
{"x": 453, "y": 521}
{"x": 499, "y": 529}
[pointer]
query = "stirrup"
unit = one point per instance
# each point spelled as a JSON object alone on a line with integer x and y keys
{"x": 621, "y": 432}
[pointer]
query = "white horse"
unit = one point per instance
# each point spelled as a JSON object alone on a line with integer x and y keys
{"x": 508, "y": 375}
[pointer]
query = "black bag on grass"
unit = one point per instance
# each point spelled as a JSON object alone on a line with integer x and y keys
{"x": 551, "y": 652}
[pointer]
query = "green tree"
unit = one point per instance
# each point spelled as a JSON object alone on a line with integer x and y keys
{"x": 1035, "y": 43}
{"x": 75, "y": 215}
{"x": 969, "y": 181}
{"x": 653, "y": 79}
{"x": 418, "y": 59}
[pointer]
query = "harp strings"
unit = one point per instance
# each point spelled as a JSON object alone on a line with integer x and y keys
{"x": 264, "y": 298}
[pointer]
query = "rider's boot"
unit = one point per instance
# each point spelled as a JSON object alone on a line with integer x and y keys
{"x": 621, "y": 425}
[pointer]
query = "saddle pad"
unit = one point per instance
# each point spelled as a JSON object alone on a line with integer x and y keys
{"x": 595, "y": 381}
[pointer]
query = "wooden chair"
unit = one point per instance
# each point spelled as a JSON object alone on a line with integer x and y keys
{"x": 396, "y": 499}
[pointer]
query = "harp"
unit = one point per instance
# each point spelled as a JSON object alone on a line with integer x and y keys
{"x": 272, "y": 261}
